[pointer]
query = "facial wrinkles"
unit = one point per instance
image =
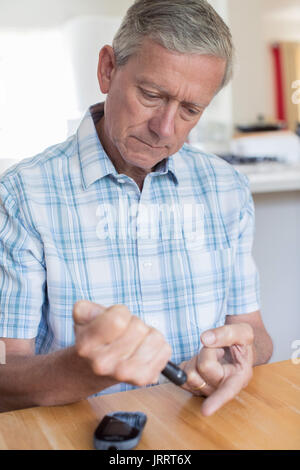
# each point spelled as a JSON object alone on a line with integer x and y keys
{"x": 162, "y": 118}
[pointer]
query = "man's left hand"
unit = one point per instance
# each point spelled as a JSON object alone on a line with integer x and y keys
{"x": 218, "y": 375}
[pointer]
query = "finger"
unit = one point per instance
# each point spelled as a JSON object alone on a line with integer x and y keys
{"x": 223, "y": 394}
{"x": 209, "y": 367}
{"x": 84, "y": 311}
{"x": 235, "y": 379}
{"x": 147, "y": 361}
{"x": 135, "y": 333}
{"x": 195, "y": 382}
{"x": 103, "y": 329}
{"x": 242, "y": 356}
{"x": 227, "y": 335}
{"x": 106, "y": 358}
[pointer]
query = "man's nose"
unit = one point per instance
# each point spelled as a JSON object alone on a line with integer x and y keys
{"x": 162, "y": 122}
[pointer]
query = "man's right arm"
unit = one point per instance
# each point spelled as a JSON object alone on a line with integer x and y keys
{"x": 111, "y": 346}
{"x": 28, "y": 380}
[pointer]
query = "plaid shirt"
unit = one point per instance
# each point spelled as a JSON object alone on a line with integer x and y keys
{"x": 177, "y": 253}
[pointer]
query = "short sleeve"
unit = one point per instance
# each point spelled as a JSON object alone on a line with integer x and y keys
{"x": 244, "y": 291}
{"x": 22, "y": 272}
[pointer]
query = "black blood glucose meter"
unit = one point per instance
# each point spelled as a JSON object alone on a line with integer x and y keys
{"x": 123, "y": 430}
{"x": 119, "y": 431}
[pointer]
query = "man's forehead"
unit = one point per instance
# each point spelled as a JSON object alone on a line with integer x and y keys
{"x": 192, "y": 78}
{"x": 155, "y": 64}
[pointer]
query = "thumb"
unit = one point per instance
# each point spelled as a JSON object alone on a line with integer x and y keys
{"x": 84, "y": 311}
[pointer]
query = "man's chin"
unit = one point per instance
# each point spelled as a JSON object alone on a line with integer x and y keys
{"x": 144, "y": 162}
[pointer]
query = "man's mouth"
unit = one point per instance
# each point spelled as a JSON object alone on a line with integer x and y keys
{"x": 149, "y": 145}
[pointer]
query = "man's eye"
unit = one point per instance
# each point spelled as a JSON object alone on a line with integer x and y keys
{"x": 192, "y": 111}
{"x": 149, "y": 95}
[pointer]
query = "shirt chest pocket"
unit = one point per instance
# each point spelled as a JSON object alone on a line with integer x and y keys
{"x": 210, "y": 273}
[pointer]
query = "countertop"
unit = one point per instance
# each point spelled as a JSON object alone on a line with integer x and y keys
{"x": 271, "y": 177}
{"x": 265, "y": 415}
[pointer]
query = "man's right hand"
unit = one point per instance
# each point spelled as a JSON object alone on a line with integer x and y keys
{"x": 118, "y": 345}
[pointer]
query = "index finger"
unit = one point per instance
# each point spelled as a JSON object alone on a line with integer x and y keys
{"x": 227, "y": 335}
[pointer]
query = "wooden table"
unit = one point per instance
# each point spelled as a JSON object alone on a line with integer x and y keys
{"x": 266, "y": 415}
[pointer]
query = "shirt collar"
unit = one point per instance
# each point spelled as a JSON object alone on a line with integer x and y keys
{"x": 95, "y": 163}
{"x": 168, "y": 165}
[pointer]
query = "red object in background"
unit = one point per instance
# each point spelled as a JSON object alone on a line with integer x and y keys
{"x": 279, "y": 93}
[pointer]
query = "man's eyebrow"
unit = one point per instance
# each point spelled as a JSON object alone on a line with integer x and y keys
{"x": 165, "y": 92}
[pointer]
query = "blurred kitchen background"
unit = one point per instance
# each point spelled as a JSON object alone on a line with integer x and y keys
{"x": 48, "y": 61}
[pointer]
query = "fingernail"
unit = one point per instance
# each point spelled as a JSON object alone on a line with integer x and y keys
{"x": 208, "y": 337}
{"x": 95, "y": 312}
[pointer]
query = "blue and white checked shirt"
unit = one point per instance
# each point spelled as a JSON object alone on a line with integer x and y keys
{"x": 72, "y": 228}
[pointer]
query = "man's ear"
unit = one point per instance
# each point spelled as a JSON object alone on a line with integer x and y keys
{"x": 106, "y": 68}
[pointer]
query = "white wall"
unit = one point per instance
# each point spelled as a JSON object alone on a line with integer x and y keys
{"x": 281, "y": 20}
{"x": 215, "y": 127}
{"x": 50, "y": 13}
{"x": 83, "y": 37}
{"x": 249, "y": 82}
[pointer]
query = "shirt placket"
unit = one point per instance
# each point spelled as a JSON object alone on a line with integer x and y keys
{"x": 147, "y": 239}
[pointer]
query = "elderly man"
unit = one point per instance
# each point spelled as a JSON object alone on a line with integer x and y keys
{"x": 124, "y": 247}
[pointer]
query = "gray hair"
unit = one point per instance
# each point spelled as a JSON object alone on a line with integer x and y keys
{"x": 185, "y": 26}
